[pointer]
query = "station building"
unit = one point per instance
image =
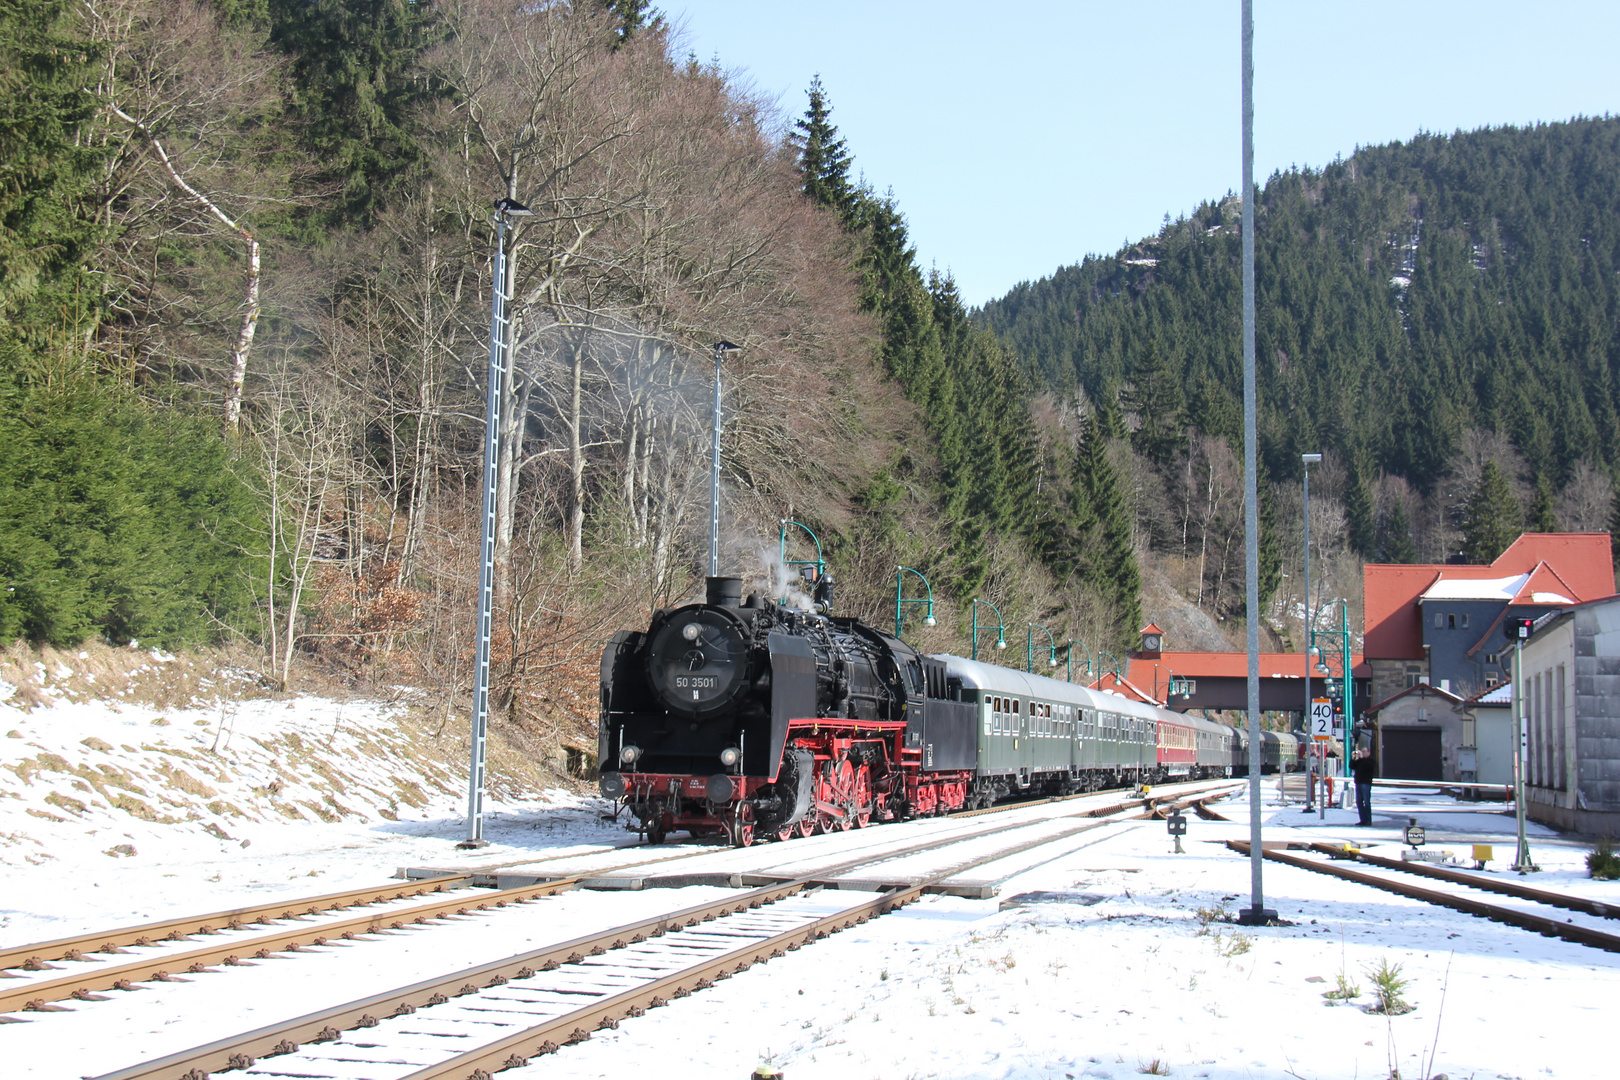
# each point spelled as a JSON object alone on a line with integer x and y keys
{"x": 1436, "y": 649}
{"x": 1570, "y": 670}
{"x": 1443, "y": 624}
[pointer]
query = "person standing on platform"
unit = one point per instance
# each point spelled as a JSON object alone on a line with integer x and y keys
{"x": 1364, "y": 766}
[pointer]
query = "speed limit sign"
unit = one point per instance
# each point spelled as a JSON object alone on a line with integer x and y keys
{"x": 1321, "y": 719}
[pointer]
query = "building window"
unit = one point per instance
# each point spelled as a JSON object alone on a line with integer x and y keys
{"x": 1439, "y": 621}
{"x": 1465, "y": 620}
{"x": 1490, "y": 657}
{"x": 1491, "y": 679}
{"x": 1414, "y": 675}
{"x": 1451, "y": 622}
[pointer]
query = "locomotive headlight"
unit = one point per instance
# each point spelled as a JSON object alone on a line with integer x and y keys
{"x": 692, "y": 631}
{"x": 730, "y": 756}
{"x": 630, "y": 754}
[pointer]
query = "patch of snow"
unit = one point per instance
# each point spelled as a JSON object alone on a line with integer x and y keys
{"x": 1503, "y": 588}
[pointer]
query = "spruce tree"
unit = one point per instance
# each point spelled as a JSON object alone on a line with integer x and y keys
{"x": 357, "y": 90}
{"x": 1543, "y": 517}
{"x": 47, "y": 168}
{"x": 1395, "y": 538}
{"x": 1614, "y": 524}
{"x": 824, "y": 159}
{"x": 1492, "y": 519}
{"x": 631, "y": 18}
{"x": 1360, "y": 513}
{"x": 1155, "y": 396}
{"x": 1109, "y": 554}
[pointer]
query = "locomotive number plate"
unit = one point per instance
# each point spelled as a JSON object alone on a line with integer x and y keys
{"x": 704, "y": 682}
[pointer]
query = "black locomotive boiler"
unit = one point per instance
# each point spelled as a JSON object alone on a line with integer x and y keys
{"x": 748, "y": 718}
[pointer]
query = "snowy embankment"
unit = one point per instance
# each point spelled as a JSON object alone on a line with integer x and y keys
{"x": 155, "y": 786}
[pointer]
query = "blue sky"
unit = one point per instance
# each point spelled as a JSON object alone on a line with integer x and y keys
{"x": 1020, "y": 136}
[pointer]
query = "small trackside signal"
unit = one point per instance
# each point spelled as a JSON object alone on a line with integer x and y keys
{"x": 1518, "y": 628}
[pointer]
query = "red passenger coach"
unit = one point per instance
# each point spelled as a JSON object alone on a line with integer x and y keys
{"x": 1178, "y": 748}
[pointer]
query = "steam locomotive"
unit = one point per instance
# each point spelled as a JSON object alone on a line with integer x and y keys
{"x": 751, "y": 719}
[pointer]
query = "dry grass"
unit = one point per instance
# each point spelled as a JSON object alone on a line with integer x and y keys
{"x": 45, "y": 674}
{"x": 524, "y": 758}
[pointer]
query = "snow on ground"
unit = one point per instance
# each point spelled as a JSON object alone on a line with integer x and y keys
{"x": 1113, "y": 961}
{"x": 115, "y": 812}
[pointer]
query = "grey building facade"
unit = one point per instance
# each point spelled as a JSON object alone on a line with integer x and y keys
{"x": 1570, "y": 696}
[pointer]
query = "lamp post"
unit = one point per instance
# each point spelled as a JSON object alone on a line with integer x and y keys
{"x": 1332, "y": 648}
{"x": 900, "y": 599}
{"x": 781, "y": 538}
{"x": 1175, "y": 686}
{"x": 720, "y": 350}
{"x": 1257, "y": 913}
{"x": 1307, "y": 460}
{"x": 499, "y": 347}
{"x": 1117, "y": 675}
{"x": 1029, "y": 647}
{"x": 1068, "y": 647}
{"x": 1520, "y": 629}
{"x": 1001, "y": 627}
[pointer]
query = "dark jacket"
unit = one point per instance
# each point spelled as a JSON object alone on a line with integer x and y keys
{"x": 1364, "y": 768}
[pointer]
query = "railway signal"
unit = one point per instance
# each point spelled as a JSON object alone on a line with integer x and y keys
{"x": 1176, "y": 823}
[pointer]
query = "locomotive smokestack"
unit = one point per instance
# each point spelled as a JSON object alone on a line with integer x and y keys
{"x": 725, "y": 592}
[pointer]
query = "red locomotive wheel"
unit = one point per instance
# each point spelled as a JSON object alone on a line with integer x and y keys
{"x": 825, "y": 793}
{"x": 844, "y": 794}
{"x": 807, "y": 824}
{"x": 742, "y": 826}
{"x": 863, "y": 797}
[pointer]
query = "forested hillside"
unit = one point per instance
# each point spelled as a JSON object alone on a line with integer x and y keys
{"x": 245, "y": 285}
{"x": 246, "y": 250}
{"x": 1438, "y": 317}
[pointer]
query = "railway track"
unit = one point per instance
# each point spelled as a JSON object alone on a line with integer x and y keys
{"x": 281, "y": 928}
{"x": 35, "y": 956}
{"x": 259, "y": 931}
{"x": 534, "y": 1003}
{"x": 1463, "y": 893}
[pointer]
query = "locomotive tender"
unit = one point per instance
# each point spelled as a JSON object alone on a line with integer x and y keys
{"x": 748, "y": 719}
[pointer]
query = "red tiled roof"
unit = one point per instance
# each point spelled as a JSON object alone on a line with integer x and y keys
{"x": 1582, "y": 563}
{"x": 1124, "y": 686}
